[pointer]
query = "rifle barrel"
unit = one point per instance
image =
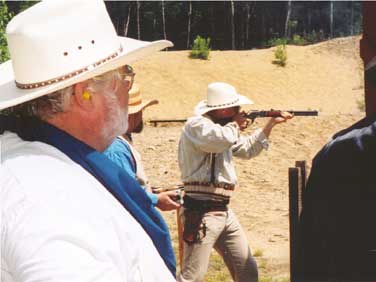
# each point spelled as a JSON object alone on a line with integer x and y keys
{"x": 277, "y": 113}
{"x": 304, "y": 113}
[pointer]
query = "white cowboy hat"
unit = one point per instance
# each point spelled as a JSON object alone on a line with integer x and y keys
{"x": 136, "y": 103}
{"x": 55, "y": 44}
{"x": 221, "y": 95}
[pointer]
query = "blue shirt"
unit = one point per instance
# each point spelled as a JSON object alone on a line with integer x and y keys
{"x": 120, "y": 153}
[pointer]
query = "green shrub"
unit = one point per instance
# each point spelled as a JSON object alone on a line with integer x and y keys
{"x": 312, "y": 37}
{"x": 292, "y": 24}
{"x": 27, "y": 4}
{"x": 5, "y": 17}
{"x": 298, "y": 40}
{"x": 280, "y": 56}
{"x": 4, "y": 54}
{"x": 200, "y": 49}
{"x": 276, "y": 41}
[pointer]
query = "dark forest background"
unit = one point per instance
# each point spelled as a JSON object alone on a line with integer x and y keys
{"x": 231, "y": 25}
{"x": 235, "y": 24}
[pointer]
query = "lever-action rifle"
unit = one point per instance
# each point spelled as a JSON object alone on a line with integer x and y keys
{"x": 252, "y": 115}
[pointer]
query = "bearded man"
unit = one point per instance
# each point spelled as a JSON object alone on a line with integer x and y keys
{"x": 68, "y": 212}
{"x": 125, "y": 155}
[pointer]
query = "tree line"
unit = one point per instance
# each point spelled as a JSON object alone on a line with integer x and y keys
{"x": 231, "y": 25}
{"x": 235, "y": 25}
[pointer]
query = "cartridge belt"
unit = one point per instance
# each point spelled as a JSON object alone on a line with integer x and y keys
{"x": 226, "y": 186}
{"x": 205, "y": 205}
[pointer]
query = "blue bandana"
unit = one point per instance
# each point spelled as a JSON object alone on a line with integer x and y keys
{"x": 120, "y": 184}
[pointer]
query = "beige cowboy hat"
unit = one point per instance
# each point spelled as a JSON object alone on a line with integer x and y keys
{"x": 221, "y": 95}
{"x": 136, "y": 103}
{"x": 55, "y": 44}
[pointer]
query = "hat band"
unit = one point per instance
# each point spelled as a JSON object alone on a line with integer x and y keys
{"x": 69, "y": 75}
{"x": 138, "y": 102}
{"x": 221, "y": 105}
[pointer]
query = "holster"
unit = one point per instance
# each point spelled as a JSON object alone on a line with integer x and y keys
{"x": 194, "y": 211}
{"x": 194, "y": 227}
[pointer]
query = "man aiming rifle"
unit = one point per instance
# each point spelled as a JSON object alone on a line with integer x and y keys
{"x": 208, "y": 142}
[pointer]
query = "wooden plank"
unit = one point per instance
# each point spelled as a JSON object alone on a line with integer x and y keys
{"x": 368, "y": 51}
{"x": 294, "y": 222}
{"x": 180, "y": 238}
{"x": 302, "y": 183}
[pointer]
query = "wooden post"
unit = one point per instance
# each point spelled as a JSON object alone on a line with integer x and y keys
{"x": 302, "y": 183}
{"x": 180, "y": 238}
{"x": 297, "y": 184}
{"x": 368, "y": 51}
{"x": 294, "y": 221}
{"x": 178, "y": 222}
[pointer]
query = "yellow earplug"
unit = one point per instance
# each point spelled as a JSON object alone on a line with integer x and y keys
{"x": 86, "y": 95}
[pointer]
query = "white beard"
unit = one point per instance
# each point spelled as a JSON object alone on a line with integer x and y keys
{"x": 116, "y": 122}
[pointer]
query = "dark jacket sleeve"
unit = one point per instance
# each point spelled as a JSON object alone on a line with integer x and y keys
{"x": 337, "y": 222}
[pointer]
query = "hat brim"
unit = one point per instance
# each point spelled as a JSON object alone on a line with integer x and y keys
{"x": 11, "y": 95}
{"x": 202, "y": 107}
{"x": 140, "y": 107}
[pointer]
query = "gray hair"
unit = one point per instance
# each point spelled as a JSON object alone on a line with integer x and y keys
{"x": 102, "y": 83}
{"x": 49, "y": 105}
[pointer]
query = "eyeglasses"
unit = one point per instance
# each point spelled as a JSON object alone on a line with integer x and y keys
{"x": 128, "y": 75}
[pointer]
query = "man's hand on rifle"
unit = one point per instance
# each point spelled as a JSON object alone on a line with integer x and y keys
{"x": 168, "y": 200}
{"x": 284, "y": 117}
{"x": 241, "y": 120}
{"x": 276, "y": 120}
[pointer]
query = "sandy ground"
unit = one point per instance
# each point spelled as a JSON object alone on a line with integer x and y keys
{"x": 326, "y": 77}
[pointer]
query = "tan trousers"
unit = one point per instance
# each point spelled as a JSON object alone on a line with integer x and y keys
{"x": 224, "y": 233}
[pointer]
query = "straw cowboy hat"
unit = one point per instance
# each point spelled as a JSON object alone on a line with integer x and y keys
{"x": 136, "y": 103}
{"x": 55, "y": 44}
{"x": 221, "y": 95}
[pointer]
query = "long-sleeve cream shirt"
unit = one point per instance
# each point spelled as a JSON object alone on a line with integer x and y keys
{"x": 201, "y": 141}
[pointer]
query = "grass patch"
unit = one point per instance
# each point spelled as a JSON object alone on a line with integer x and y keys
{"x": 258, "y": 253}
{"x": 262, "y": 264}
{"x": 217, "y": 271}
{"x": 271, "y": 279}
